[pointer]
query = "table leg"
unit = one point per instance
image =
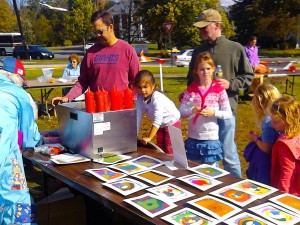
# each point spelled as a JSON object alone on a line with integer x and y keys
{"x": 44, "y": 99}
{"x": 287, "y": 83}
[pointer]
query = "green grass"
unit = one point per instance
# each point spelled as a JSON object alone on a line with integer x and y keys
{"x": 280, "y": 53}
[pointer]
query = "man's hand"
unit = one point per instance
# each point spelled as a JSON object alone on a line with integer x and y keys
{"x": 224, "y": 83}
{"x": 57, "y": 100}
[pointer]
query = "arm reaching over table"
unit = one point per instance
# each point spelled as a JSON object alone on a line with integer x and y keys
{"x": 57, "y": 100}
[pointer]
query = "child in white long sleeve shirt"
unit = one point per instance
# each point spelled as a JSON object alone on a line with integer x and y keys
{"x": 159, "y": 108}
{"x": 204, "y": 102}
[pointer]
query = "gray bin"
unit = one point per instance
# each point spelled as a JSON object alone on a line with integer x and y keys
{"x": 89, "y": 134}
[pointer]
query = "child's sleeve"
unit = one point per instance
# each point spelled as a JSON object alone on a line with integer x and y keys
{"x": 287, "y": 167}
{"x": 186, "y": 106}
{"x": 225, "y": 111}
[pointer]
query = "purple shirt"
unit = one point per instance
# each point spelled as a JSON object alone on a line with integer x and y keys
{"x": 106, "y": 66}
{"x": 252, "y": 54}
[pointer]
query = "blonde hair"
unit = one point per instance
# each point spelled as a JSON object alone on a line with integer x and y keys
{"x": 264, "y": 95}
{"x": 203, "y": 57}
{"x": 287, "y": 109}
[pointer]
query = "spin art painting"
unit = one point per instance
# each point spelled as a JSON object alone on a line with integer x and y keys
{"x": 255, "y": 188}
{"x": 288, "y": 201}
{"x": 147, "y": 161}
{"x": 209, "y": 171}
{"x": 153, "y": 177}
{"x": 111, "y": 159}
{"x": 233, "y": 195}
{"x": 171, "y": 192}
{"x": 150, "y": 204}
{"x": 276, "y": 214}
{"x": 128, "y": 167}
{"x": 219, "y": 209}
{"x": 126, "y": 186}
{"x": 247, "y": 218}
{"x": 106, "y": 174}
{"x": 201, "y": 182}
{"x": 189, "y": 216}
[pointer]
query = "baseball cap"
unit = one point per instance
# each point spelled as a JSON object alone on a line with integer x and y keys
{"x": 207, "y": 17}
{"x": 14, "y": 65}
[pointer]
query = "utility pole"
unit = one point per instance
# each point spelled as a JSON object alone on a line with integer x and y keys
{"x": 20, "y": 28}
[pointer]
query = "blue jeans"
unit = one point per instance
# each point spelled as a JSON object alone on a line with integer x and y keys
{"x": 231, "y": 159}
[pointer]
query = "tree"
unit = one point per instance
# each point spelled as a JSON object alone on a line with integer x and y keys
{"x": 127, "y": 22}
{"x": 42, "y": 28}
{"x": 274, "y": 22}
{"x": 8, "y": 21}
{"x": 182, "y": 13}
{"x": 77, "y": 22}
{"x": 103, "y": 4}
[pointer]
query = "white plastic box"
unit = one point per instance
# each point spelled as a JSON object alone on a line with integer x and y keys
{"x": 47, "y": 72}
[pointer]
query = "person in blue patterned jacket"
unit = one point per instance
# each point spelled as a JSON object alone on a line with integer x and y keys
{"x": 16, "y": 114}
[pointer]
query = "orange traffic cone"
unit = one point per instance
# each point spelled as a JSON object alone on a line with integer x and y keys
{"x": 143, "y": 57}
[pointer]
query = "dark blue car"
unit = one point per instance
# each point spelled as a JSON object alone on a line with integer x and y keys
{"x": 34, "y": 51}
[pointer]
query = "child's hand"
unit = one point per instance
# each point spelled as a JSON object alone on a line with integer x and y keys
{"x": 207, "y": 112}
{"x": 146, "y": 140}
{"x": 253, "y": 136}
{"x": 196, "y": 110}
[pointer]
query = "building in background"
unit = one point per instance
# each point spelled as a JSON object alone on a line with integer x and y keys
{"x": 128, "y": 26}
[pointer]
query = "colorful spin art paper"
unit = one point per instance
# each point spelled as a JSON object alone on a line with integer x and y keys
{"x": 239, "y": 197}
{"x": 201, "y": 182}
{"x": 276, "y": 214}
{"x": 128, "y": 167}
{"x": 147, "y": 161}
{"x": 255, "y": 188}
{"x": 189, "y": 216}
{"x": 219, "y": 209}
{"x": 106, "y": 174}
{"x": 150, "y": 204}
{"x": 288, "y": 201}
{"x": 209, "y": 171}
{"x": 153, "y": 177}
{"x": 111, "y": 159}
{"x": 171, "y": 192}
{"x": 126, "y": 186}
{"x": 247, "y": 218}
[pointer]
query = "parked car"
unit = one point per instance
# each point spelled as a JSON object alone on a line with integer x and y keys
{"x": 165, "y": 53}
{"x": 183, "y": 58}
{"x": 34, "y": 51}
{"x": 87, "y": 46}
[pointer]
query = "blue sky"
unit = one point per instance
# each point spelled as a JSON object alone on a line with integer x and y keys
{"x": 226, "y": 2}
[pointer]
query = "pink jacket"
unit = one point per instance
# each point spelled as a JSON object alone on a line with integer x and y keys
{"x": 205, "y": 128}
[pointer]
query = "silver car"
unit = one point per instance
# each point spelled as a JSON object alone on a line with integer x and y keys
{"x": 87, "y": 46}
{"x": 183, "y": 58}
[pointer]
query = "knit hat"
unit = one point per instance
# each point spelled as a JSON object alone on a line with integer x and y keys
{"x": 207, "y": 17}
{"x": 14, "y": 65}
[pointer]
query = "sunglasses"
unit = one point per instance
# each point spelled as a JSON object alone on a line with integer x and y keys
{"x": 100, "y": 31}
{"x": 280, "y": 110}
